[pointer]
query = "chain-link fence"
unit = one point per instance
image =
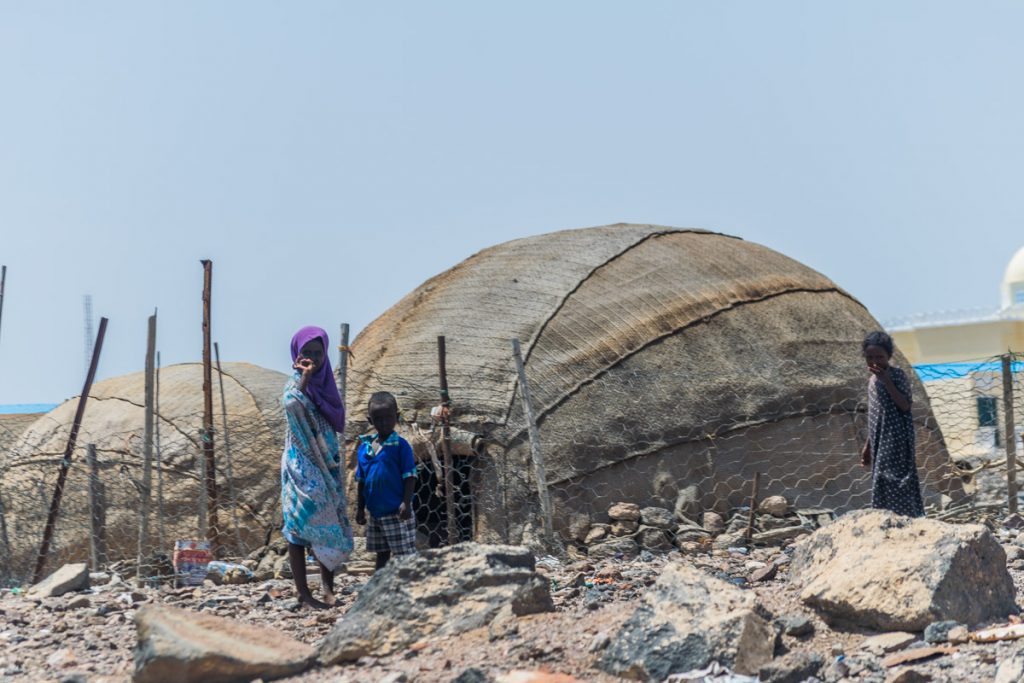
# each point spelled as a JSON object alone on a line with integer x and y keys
{"x": 670, "y": 438}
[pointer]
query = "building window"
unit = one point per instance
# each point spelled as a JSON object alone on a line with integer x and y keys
{"x": 1018, "y": 296}
{"x": 988, "y": 415}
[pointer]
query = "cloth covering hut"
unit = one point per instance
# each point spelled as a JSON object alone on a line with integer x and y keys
{"x": 658, "y": 358}
{"x": 114, "y": 424}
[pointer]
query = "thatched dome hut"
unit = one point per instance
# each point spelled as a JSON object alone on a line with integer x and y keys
{"x": 657, "y": 358}
{"x": 114, "y": 424}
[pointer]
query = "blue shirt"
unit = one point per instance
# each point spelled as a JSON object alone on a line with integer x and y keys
{"x": 383, "y": 469}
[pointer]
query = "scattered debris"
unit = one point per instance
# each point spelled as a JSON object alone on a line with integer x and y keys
{"x": 917, "y": 654}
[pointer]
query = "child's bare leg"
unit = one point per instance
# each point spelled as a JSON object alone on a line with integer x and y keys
{"x": 327, "y": 582}
{"x": 297, "y": 562}
{"x": 382, "y": 558}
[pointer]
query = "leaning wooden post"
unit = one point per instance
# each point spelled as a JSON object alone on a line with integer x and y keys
{"x": 147, "y": 452}
{"x": 1011, "y": 434}
{"x": 343, "y": 362}
{"x": 227, "y": 451}
{"x": 97, "y": 512}
{"x": 446, "y": 445}
{"x": 65, "y": 463}
{"x": 535, "y": 452}
{"x": 209, "y": 464}
{"x": 749, "y": 535}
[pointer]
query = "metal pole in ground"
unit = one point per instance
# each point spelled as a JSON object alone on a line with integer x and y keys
{"x": 159, "y": 461}
{"x": 535, "y": 451}
{"x": 343, "y": 362}
{"x": 1011, "y": 434}
{"x": 147, "y": 452}
{"x": 227, "y": 452}
{"x": 65, "y": 463}
{"x": 209, "y": 463}
{"x": 446, "y": 444}
{"x": 749, "y": 535}
{"x": 97, "y": 512}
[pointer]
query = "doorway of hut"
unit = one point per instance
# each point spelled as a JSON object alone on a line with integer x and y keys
{"x": 429, "y": 503}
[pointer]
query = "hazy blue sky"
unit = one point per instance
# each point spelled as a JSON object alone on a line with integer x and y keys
{"x": 331, "y": 156}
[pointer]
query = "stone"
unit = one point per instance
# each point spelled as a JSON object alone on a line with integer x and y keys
{"x": 1013, "y": 552}
{"x": 179, "y": 645}
{"x": 624, "y": 527}
{"x": 776, "y": 506}
{"x": 766, "y": 573}
{"x": 657, "y": 517}
{"x": 472, "y": 675}
{"x": 726, "y": 541}
{"x": 770, "y": 523}
{"x": 70, "y": 577}
{"x": 599, "y": 642}
{"x": 617, "y": 548}
{"x": 579, "y": 526}
{"x": 652, "y": 538}
{"x": 795, "y": 667}
{"x": 628, "y": 512}
{"x": 796, "y": 625}
{"x": 884, "y": 643}
{"x": 395, "y": 677}
{"x": 958, "y": 634}
{"x": 687, "y": 620}
{"x": 713, "y": 522}
{"x": 503, "y": 624}
{"x": 62, "y": 659}
{"x": 597, "y": 533}
{"x": 689, "y": 535}
{"x": 438, "y": 592}
{"x": 909, "y": 676}
{"x": 779, "y": 536}
{"x": 883, "y": 571}
{"x": 79, "y": 602}
{"x": 688, "y": 504}
{"x": 938, "y": 632}
{"x": 1011, "y": 670}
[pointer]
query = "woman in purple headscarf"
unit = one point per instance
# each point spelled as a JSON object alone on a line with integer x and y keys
{"x": 312, "y": 475}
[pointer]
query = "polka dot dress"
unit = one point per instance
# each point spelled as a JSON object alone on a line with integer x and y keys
{"x": 891, "y": 433}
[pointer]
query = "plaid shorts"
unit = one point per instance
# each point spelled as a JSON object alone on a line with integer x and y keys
{"x": 391, "y": 534}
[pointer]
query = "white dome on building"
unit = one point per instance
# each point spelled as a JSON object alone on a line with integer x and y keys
{"x": 1013, "y": 281}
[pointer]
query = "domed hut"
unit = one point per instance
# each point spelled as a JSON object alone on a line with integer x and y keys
{"x": 660, "y": 360}
{"x": 113, "y": 422}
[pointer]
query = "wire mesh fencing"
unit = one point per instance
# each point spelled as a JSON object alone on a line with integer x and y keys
{"x": 651, "y": 456}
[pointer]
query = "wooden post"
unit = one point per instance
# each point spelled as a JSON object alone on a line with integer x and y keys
{"x": 97, "y": 512}
{"x": 209, "y": 463}
{"x": 535, "y": 451}
{"x": 343, "y": 362}
{"x": 65, "y": 463}
{"x": 446, "y": 445}
{"x": 227, "y": 452}
{"x": 1011, "y": 434}
{"x": 147, "y": 452}
{"x": 749, "y": 535}
{"x": 159, "y": 461}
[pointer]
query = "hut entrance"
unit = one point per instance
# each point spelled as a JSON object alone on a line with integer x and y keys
{"x": 431, "y": 513}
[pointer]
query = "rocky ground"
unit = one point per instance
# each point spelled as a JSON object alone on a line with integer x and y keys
{"x": 89, "y": 635}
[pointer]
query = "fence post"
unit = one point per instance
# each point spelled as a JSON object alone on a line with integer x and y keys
{"x": 209, "y": 463}
{"x": 97, "y": 512}
{"x": 749, "y": 535}
{"x": 227, "y": 451}
{"x": 1011, "y": 434}
{"x": 446, "y": 444}
{"x": 343, "y": 362}
{"x": 147, "y": 452}
{"x": 65, "y": 463}
{"x": 535, "y": 450}
{"x": 159, "y": 459}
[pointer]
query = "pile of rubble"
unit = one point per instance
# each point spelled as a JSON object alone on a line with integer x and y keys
{"x": 631, "y": 529}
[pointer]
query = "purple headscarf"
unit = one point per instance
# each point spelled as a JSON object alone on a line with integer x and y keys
{"x": 321, "y": 389}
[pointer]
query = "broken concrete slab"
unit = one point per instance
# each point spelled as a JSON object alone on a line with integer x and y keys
{"x": 70, "y": 577}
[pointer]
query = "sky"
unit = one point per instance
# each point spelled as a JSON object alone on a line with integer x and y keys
{"x": 330, "y": 156}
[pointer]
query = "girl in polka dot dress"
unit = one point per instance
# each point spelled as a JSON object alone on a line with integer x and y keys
{"x": 889, "y": 450}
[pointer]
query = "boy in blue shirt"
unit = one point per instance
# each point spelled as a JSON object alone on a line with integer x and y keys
{"x": 386, "y": 475}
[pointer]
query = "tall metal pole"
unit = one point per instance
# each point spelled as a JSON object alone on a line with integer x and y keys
{"x": 227, "y": 451}
{"x": 446, "y": 445}
{"x": 65, "y": 463}
{"x": 208, "y": 458}
{"x": 1011, "y": 434}
{"x": 147, "y": 451}
{"x": 539, "y": 469}
{"x": 159, "y": 461}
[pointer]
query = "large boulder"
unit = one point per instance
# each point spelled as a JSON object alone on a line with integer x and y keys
{"x": 880, "y": 570}
{"x": 686, "y": 621}
{"x": 437, "y": 592}
{"x": 70, "y": 577}
{"x": 183, "y": 646}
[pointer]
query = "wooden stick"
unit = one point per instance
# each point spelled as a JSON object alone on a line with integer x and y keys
{"x": 147, "y": 452}
{"x": 65, "y": 463}
{"x": 209, "y": 463}
{"x": 343, "y": 362}
{"x": 540, "y": 472}
{"x": 749, "y": 535}
{"x": 446, "y": 445}
{"x": 1011, "y": 435}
